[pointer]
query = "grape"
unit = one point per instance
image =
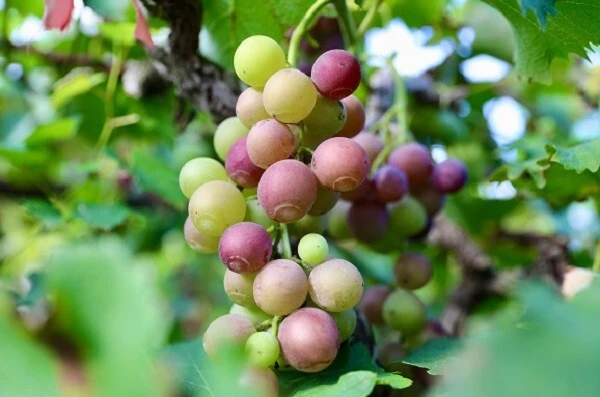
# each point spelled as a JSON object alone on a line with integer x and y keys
{"x": 390, "y": 184}
{"x": 287, "y": 190}
{"x": 355, "y": 117}
{"x": 256, "y": 214}
{"x": 226, "y": 134}
{"x": 215, "y": 206}
{"x": 309, "y": 339}
{"x": 412, "y": 270}
{"x": 280, "y": 287}
{"x": 256, "y": 59}
{"x": 363, "y": 192}
{"x": 371, "y": 304}
{"x": 289, "y": 96}
{"x": 368, "y": 221}
{"x": 337, "y": 224}
{"x": 346, "y": 323}
{"x": 325, "y": 201}
{"x": 431, "y": 199}
{"x": 238, "y": 288}
{"x": 199, "y": 242}
{"x": 340, "y": 164}
{"x": 197, "y": 172}
{"x": 335, "y": 285}
{"x": 309, "y": 224}
{"x": 372, "y": 144}
{"x": 408, "y": 217}
{"x": 230, "y": 330}
{"x": 325, "y": 120}
{"x": 240, "y": 168}
{"x": 449, "y": 176}
{"x": 270, "y": 141}
{"x": 262, "y": 381}
{"x": 414, "y": 159}
{"x": 263, "y": 349}
{"x": 336, "y": 74}
{"x": 254, "y": 314}
{"x": 313, "y": 248}
{"x": 249, "y": 108}
{"x": 404, "y": 312}
{"x": 245, "y": 247}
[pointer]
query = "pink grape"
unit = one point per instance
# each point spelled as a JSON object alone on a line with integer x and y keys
{"x": 372, "y": 143}
{"x": 262, "y": 381}
{"x": 240, "y": 168}
{"x": 340, "y": 164}
{"x": 227, "y": 331}
{"x": 249, "y": 108}
{"x": 355, "y": 117}
{"x": 365, "y": 191}
{"x": 198, "y": 241}
{"x": 414, "y": 159}
{"x": 368, "y": 221}
{"x": 270, "y": 141}
{"x": 449, "y": 176}
{"x": 371, "y": 304}
{"x": 336, "y": 74}
{"x": 245, "y": 247}
{"x": 390, "y": 184}
{"x": 280, "y": 287}
{"x": 431, "y": 199}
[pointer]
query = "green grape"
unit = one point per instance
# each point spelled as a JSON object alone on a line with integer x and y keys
{"x": 228, "y": 331}
{"x": 313, "y": 248}
{"x": 346, "y": 323}
{"x": 199, "y": 242}
{"x": 255, "y": 315}
{"x": 197, "y": 172}
{"x": 263, "y": 349}
{"x": 335, "y": 285}
{"x": 408, "y": 217}
{"x": 337, "y": 224}
{"x": 238, "y": 288}
{"x": 249, "y": 108}
{"x": 404, "y": 312}
{"x": 309, "y": 224}
{"x": 256, "y": 59}
{"x": 325, "y": 120}
{"x": 226, "y": 134}
{"x": 249, "y": 192}
{"x": 256, "y": 214}
{"x": 289, "y": 96}
{"x": 215, "y": 206}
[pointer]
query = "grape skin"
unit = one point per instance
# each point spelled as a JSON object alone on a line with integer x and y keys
{"x": 449, "y": 176}
{"x": 280, "y": 287}
{"x": 199, "y": 242}
{"x": 372, "y": 144}
{"x": 368, "y": 221}
{"x": 340, "y": 164}
{"x": 289, "y": 96}
{"x": 390, "y": 184}
{"x": 227, "y": 133}
{"x": 254, "y": 314}
{"x": 313, "y": 248}
{"x": 371, "y": 304}
{"x": 256, "y": 214}
{"x": 262, "y": 381}
{"x": 408, "y": 217}
{"x": 228, "y": 330}
{"x": 325, "y": 120}
{"x": 215, "y": 206}
{"x": 335, "y": 285}
{"x": 412, "y": 270}
{"x": 197, "y": 172}
{"x": 414, "y": 159}
{"x": 256, "y": 59}
{"x": 262, "y": 349}
{"x": 245, "y": 247}
{"x": 309, "y": 224}
{"x": 270, "y": 141}
{"x": 240, "y": 168}
{"x": 355, "y": 119}
{"x": 326, "y": 200}
{"x": 336, "y": 74}
{"x": 337, "y": 224}
{"x": 238, "y": 288}
{"x": 346, "y": 323}
{"x": 404, "y": 312}
{"x": 249, "y": 107}
{"x": 431, "y": 199}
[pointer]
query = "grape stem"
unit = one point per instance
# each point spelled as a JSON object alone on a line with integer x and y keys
{"x": 265, "y": 325}
{"x": 367, "y": 21}
{"x": 596, "y": 265}
{"x": 301, "y": 29}
{"x": 348, "y": 27}
{"x": 275, "y": 324}
{"x": 285, "y": 239}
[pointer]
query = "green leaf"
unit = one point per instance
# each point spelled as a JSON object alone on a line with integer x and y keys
{"x": 44, "y": 211}
{"x": 110, "y": 9}
{"x": 541, "y": 8}
{"x": 437, "y": 355}
{"x": 228, "y": 22}
{"x": 418, "y": 13}
{"x": 25, "y": 157}
{"x": 581, "y": 157}
{"x": 574, "y": 29}
{"x": 102, "y": 216}
{"x": 153, "y": 175}
{"x": 77, "y": 82}
{"x": 120, "y": 33}
{"x": 58, "y": 130}
{"x": 352, "y": 374}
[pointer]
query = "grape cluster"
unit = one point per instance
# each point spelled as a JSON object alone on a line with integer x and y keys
{"x": 288, "y": 155}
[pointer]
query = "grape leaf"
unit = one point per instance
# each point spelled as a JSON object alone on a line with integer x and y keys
{"x": 58, "y": 13}
{"x": 437, "y": 356}
{"x": 574, "y": 29}
{"x": 581, "y": 157}
{"x": 58, "y": 130}
{"x": 228, "y": 22}
{"x": 77, "y": 82}
{"x": 43, "y": 210}
{"x": 541, "y": 8}
{"x": 102, "y": 216}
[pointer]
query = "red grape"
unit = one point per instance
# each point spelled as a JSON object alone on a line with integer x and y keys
{"x": 372, "y": 143}
{"x": 449, "y": 176}
{"x": 414, "y": 159}
{"x": 270, "y": 141}
{"x": 340, "y": 164}
{"x": 239, "y": 167}
{"x": 368, "y": 221}
{"x": 336, "y": 74}
{"x": 355, "y": 117}
{"x": 390, "y": 184}
{"x": 245, "y": 247}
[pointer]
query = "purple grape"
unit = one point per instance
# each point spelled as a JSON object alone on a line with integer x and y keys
{"x": 368, "y": 221}
{"x": 336, "y": 74}
{"x": 372, "y": 143}
{"x": 371, "y": 303}
{"x": 432, "y": 200}
{"x": 412, "y": 271}
{"x": 240, "y": 168}
{"x": 365, "y": 191}
{"x": 449, "y": 176}
{"x": 414, "y": 159}
{"x": 245, "y": 247}
{"x": 390, "y": 184}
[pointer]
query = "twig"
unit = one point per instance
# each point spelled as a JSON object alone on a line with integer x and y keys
{"x": 301, "y": 29}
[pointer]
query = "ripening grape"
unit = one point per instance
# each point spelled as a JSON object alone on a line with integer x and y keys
{"x": 238, "y": 288}
{"x": 336, "y": 74}
{"x": 289, "y": 96}
{"x": 346, "y": 323}
{"x": 230, "y": 330}
{"x": 287, "y": 190}
{"x": 365, "y": 191}
{"x": 412, "y": 270}
{"x": 262, "y": 381}
{"x": 249, "y": 108}
{"x": 227, "y": 133}
{"x": 309, "y": 339}
{"x": 372, "y": 144}
{"x": 262, "y": 349}
{"x": 199, "y": 242}
{"x": 313, "y": 248}
{"x": 368, "y": 221}
{"x": 256, "y": 214}
{"x": 256, "y": 59}
{"x": 340, "y": 164}
{"x": 371, "y": 303}
{"x": 408, "y": 217}
{"x": 254, "y": 314}
{"x": 431, "y": 199}
{"x": 245, "y": 247}
{"x": 404, "y": 312}
{"x": 449, "y": 176}
{"x": 325, "y": 120}
{"x": 280, "y": 287}
{"x": 337, "y": 224}
{"x": 215, "y": 206}
{"x": 309, "y": 224}
{"x": 355, "y": 117}
{"x": 240, "y": 168}
{"x": 197, "y": 172}
{"x": 270, "y": 141}
{"x": 390, "y": 184}
{"x": 325, "y": 201}
{"x": 335, "y": 285}
{"x": 414, "y": 159}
